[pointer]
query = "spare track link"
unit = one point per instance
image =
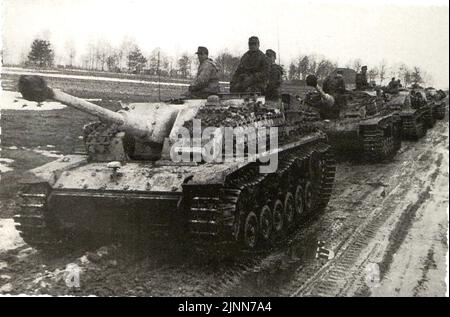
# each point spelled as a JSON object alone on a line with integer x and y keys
{"x": 35, "y": 225}
{"x": 216, "y": 216}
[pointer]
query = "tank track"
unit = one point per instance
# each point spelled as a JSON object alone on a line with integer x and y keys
{"x": 36, "y": 227}
{"x": 413, "y": 127}
{"x": 429, "y": 117}
{"x": 379, "y": 145}
{"x": 439, "y": 111}
{"x": 253, "y": 211}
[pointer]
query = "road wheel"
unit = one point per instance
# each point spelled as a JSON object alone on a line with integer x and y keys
{"x": 289, "y": 210}
{"x": 251, "y": 230}
{"x": 309, "y": 196}
{"x": 266, "y": 223}
{"x": 278, "y": 218}
{"x": 299, "y": 201}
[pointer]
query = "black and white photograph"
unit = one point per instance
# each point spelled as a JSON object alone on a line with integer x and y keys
{"x": 203, "y": 149}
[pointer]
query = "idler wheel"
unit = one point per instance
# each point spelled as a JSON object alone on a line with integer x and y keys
{"x": 299, "y": 201}
{"x": 265, "y": 222}
{"x": 278, "y": 218}
{"x": 309, "y": 196}
{"x": 289, "y": 209}
{"x": 251, "y": 230}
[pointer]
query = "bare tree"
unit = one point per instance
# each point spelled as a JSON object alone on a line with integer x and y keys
{"x": 71, "y": 51}
{"x": 372, "y": 74}
{"x": 103, "y": 50}
{"x": 303, "y": 67}
{"x": 357, "y": 64}
{"x": 184, "y": 66}
{"x": 382, "y": 69}
{"x": 417, "y": 75}
{"x": 293, "y": 72}
{"x": 324, "y": 68}
{"x": 227, "y": 64}
{"x": 404, "y": 74}
{"x": 128, "y": 45}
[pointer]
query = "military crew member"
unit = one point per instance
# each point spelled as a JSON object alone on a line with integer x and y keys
{"x": 361, "y": 79}
{"x": 393, "y": 85}
{"x": 253, "y": 70}
{"x": 275, "y": 77}
{"x": 335, "y": 86}
{"x": 207, "y": 81}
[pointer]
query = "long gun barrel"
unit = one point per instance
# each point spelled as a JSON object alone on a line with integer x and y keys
{"x": 34, "y": 88}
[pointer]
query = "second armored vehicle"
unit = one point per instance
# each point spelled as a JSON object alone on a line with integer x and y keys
{"x": 361, "y": 128}
{"x": 416, "y": 114}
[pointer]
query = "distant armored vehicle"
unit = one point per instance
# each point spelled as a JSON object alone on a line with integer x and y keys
{"x": 416, "y": 114}
{"x": 129, "y": 183}
{"x": 362, "y": 127}
{"x": 437, "y": 100}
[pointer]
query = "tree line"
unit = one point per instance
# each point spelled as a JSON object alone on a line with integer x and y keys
{"x": 128, "y": 57}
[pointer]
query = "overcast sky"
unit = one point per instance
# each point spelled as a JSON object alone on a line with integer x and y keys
{"x": 414, "y": 32}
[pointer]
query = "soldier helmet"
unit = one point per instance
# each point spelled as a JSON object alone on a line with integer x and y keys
{"x": 253, "y": 39}
{"x": 364, "y": 67}
{"x": 311, "y": 80}
{"x": 271, "y": 53}
{"x": 202, "y": 50}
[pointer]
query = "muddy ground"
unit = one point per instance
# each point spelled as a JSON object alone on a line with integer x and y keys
{"x": 386, "y": 225}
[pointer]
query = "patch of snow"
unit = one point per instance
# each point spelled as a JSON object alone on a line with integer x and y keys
{"x": 10, "y": 236}
{"x": 4, "y": 165}
{"x": 12, "y": 100}
{"x": 3, "y": 265}
{"x": 48, "y": 153}
{"x": 7, "y": 288}
{"x": 12, "y": 148}
{"x": 96, "y": 78}
{"x": 50, "y": 146}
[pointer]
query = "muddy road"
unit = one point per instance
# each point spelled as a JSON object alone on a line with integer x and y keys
{"x": 384, "y": 233}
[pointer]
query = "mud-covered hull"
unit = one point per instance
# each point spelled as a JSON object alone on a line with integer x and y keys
{"x": 414, "y": 123}
{"x": 69, "y": 200}
{"x": 373, "y": 139}
{"x": 438, "y": 110}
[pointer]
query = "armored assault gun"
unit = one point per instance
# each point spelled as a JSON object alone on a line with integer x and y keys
{"x": 415, "y": 112}
{"x": 128, "y": 182}
{"x": 437, "y": 100}
{"x": 358, "y": 127}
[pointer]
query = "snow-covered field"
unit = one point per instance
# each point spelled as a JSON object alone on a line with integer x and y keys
{"x": 10, "y": 238}
{"x": 12, "y": 100}
{"x": 91, "y": 78}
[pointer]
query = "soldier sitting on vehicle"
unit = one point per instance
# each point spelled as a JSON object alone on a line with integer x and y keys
{"x": 253, "y": 70}
{"x": 393, "y": 84}
{"x": 361, "y": 79}
{"x": 207, "y": 81}
{"x": 329, "y": 102}
{"x": 335, "y": 86}
{"x": 275, "y": 77}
